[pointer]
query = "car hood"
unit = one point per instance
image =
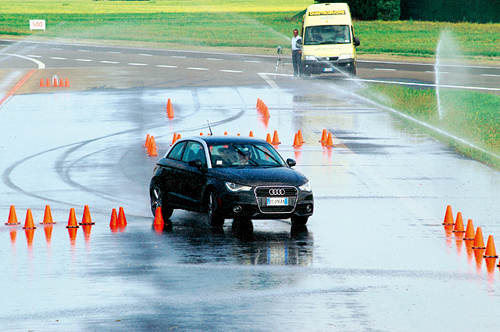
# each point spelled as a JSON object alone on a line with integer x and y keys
{"x": 260, "y": 176}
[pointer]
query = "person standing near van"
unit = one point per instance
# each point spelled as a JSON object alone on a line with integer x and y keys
{"x": 296, "y": 52}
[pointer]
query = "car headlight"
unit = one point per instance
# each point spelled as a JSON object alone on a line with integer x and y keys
{"x": 345, "y": 56}
{"x": 310, "y": 57}
{"x": 234, "y": 187}
{"x": 305, "y": 187}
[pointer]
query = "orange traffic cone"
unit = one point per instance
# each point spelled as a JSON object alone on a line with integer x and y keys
{"x": 478, "y": 240}
{"x": 459, "y": 224}
{"x": 152, "y": 147}
{"x": 29, "y": 224}
{"x": 469, "y": 231}
{"x": 47, "y": 217}
{"x": 86, "y": 220}
{"x": 225, "y": 133}
{"x": 72, "y": 219}
{"x": 276, "y": 140}
{"x": 448, "y": 217}
{"x": 251, "y": 134}
{"x": 301, "y": 139}
{"x": 174, "y": 138}
{"x": 66, "y": 83}
{"x": 158, "y": 217}
{"x": 12, "y": 217}
{"x": 122, "y": 220}
{"x": 490, "y": 248}
{"x": 61, "y": 82}
{"x": 48, "y": 83}
{"x": 296, "y": 141}
{"x": 265, "y": 112}
{"x": 329, "y": 140}
{"x": 268, "y": 138}
{"x": 114, "y": 218}
{"x": 258, "y": 103}
{"x": 41, "y": 83}
{"x": 55, "y": 82}
{"x": 170, "y": 109}
{"x": 146, "y": 144}
{"x": 323, "y": 136}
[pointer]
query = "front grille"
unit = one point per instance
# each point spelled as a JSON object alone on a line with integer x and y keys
{"x": 333, "y": 58}
{"x": 263, "y": 193}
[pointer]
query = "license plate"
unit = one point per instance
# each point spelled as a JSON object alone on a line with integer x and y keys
{"x": 277, "y": 201}
{"x": 327, "y": 69}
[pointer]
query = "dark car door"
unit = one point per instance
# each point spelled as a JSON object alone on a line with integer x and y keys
{"x": 194, "y": 178}
{"x": 170, "y": 173}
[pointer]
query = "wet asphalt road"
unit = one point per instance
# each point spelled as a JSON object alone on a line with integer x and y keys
{"x": 374, "y": 257}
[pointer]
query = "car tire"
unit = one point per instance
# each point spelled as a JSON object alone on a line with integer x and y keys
{"x": 159, "y": 199}
{"x": 299, "y": 221}
{"x": 214, "y": 215}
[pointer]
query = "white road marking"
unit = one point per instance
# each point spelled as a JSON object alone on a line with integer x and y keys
{"x": 178, "y": 57}
{"x": 83, "y": 60}
{"x": 253, "y": 61}
{"x": 433, "y": 72}
{"x": 84, "y": 51}
{"x": 56, "y": 48}
{"x": 385, "y": 69}
{"x": 166, "y": 66}
{"x": 57, "y": 58}
{"x": 137, "y": 64}
{"x": 145, "y": 54}
{"x": 213, "y": 59}
{"x": 194, "y": 68}
{"x": 34, "y": 56}
{"x": 490, "y": 75}
{"x": 231, "y": 71}
{"x": 114, "y": 52}
{"x": 40, "y": 64}
{"x": 105, "y": 61}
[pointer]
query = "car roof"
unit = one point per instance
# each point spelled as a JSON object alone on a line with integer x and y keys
{"x": 214, "y": 140}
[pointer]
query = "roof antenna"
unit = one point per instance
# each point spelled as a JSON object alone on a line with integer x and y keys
{"x": 209, "y": 128}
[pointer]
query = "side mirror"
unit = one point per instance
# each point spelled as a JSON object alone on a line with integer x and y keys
{"x": 356, "y": 41}
{"x": 197, "y": 163}
{"x": 290, "y": 162}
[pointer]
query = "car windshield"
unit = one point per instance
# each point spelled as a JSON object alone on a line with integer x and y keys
{"x": 244, "y": 155}
{"x": 327, "y": 34}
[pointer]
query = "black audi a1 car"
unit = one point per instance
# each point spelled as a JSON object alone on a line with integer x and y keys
{"x": 230, "y": 177}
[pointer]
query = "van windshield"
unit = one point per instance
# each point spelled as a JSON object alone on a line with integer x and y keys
{"x": 327, "y": 34}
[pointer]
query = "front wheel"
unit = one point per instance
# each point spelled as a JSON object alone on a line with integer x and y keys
{"x": 214, "y": 215}
{"x": 299, "y": 221}
{"x": 159, "y": 199}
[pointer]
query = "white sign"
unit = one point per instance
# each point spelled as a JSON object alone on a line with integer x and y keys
{"x": 37, "y": 24}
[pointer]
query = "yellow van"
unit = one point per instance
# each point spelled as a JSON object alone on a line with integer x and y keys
{"x": 328, "y": 42}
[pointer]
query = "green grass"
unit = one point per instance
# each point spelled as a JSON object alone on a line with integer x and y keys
{"x": 252, "y": 23}
{"x": 472, "y": 116}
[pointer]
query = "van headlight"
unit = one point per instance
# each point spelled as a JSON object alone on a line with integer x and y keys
{"x": 310, "y": 58}
{"x": 345, "y": 56}
{"x": 305, "y": 187}
{"x": 234, "y": 187}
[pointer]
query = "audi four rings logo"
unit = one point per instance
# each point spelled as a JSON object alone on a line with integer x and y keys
{"x": 276, "y": 192}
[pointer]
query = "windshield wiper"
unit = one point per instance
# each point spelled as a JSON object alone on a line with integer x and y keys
{"x": 267, "y": 154}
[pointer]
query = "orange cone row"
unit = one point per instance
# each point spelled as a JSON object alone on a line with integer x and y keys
{"x": 119, "y": 221}
{"x": 262, "y": 108}
{"x": 150, "y": 144}
{"x": 56, "y": 83}
{"x": 474, "y": 238}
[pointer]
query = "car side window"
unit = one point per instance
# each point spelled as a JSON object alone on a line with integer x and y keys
{"x": 194, "y": 150}
{"x": 176, "y": 152}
